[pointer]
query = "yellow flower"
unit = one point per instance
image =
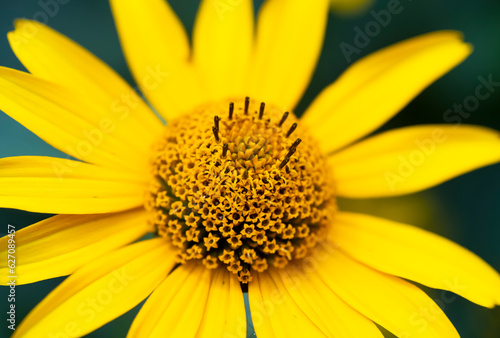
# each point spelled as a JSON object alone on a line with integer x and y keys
{"x": 236, "y": 190}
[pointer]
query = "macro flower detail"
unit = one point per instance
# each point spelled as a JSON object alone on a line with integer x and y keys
{"x": 236, "y": 191}
{"x": 230, "y": 190}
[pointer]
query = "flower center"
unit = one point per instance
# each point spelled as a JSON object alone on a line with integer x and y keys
{"x": 240, "y": 184}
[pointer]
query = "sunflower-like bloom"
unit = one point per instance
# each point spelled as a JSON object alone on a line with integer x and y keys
{"x": 237, "y": 192}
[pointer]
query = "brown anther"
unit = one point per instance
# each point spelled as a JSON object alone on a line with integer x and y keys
{"x": 261, "y": 111}
{"x": 291, "y": 152}
{"x": 247, "y": 103}
{"x": 216, "y": 133}
{"x": 283, "y": 119}
{"x": 231, "y": 110}
{"x": 216, "y": 122}
{"x": 225, "y": 147}
{"x": 284, "y": 162}
{"x": 296, "y": 143}
{"x": 291, "y": 130}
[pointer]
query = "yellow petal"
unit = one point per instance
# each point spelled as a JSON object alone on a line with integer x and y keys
{"x": 74, "y": 125}
{"x": 100, "y": 291}
{"x": 415, "y": 254}
{"x": 400, "y": 307}
{"x": 60, "y": 186}
{"x": 222, "y": 46}
{"x": 323, "y": 307}
{"x": 157, "y": 49}
{"x": 274, "y": 313}
{"x": 61, "y": 244}
{"x": 261, "y": 310}
{"x": 411, "y": 159}
{"x": 289, "y": 40}
{"x": 224, "y": 314}
{"x": 378, "y": 86}
{"x": 177, "y": 306}
{"x": 53, "y": 57}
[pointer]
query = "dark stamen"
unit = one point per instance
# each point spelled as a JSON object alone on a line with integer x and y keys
{"x": 283, "y": 119}
{"x": 292, "y": 128}
{"x": 247, "y": 103}
{"x": 216, "y": 133}
{"x": 290, "y": 152}
{"x": 216, "y": 122}
{"x": 284, "y": 162}
{"x": 261, "y": 112}
{"x": 231, "y": 110}
{"x": 296, "y": 143}
{"x": 224, "y": 149}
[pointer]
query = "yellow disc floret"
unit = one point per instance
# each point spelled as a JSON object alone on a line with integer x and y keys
{"x": 240, "y": 184}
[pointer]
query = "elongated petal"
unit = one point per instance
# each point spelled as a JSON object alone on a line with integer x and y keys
{"x": 177, "y": 307}
{"x": 418, "y": 255}
{"x": 60, "y": 186}
{"x": 61, "y": 244}
{"x": 370, "y": 66}
{"x": 289, "y": 40}
{"x": 262, "y": 311}
{"x": 53, "y": 57}
{"x": 222, "y": 46}
{"x": 100, "y": 291}
{"x": 378, "y": 86}
{"x": 274, "y": 312}
{"x": 325, "y": 309}
{"x": 157, "y": 49}
{"x": 75, "y": 126}
{"x": 411, "y": 159}
{"x": 224, "y": 314}
{"x": 398, "y": 306}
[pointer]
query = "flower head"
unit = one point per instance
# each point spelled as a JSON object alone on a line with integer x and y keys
{"x": 238, "y": 192}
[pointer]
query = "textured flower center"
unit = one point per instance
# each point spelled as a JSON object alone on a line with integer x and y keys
{"x": 240, "y": 184}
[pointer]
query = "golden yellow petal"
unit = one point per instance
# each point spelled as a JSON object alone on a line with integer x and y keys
{"x": 50, "y": 55}
{"x": 156, "y": 47}
{"x": 222, "y": 46}
{"x": 100, "y": 291}
{"x": 324, "y": 308}
{"x": 288, "y": 44}
{"x": 400, "y": 307}
{"x": 224, "y": 313}
{"x": 378, "y": 86}
{"x": 275, "y": 313}
{"x": 177, "y": 306}
{"x": 61, "y": 186}
{"x": 61, "y": 244}
{"x": 261, "y": 310}
{"x": 72, "y": 125}
{"x": 411, "y": 159}
{"x": 415, "y": 254}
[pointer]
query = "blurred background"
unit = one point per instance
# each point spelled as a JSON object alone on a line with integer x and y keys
{"x": 465, "y": 210}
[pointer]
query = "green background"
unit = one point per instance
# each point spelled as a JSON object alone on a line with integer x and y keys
{"x": 464, "y": 209}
